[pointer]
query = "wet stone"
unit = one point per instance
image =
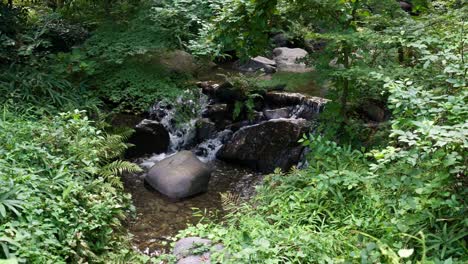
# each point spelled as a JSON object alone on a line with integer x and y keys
{"x": 170, "y": 208}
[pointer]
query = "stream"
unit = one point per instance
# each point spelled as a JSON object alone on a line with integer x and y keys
{"x": 159, "y": 218}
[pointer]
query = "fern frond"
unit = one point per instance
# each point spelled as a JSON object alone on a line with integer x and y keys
{"x": 125, "y": 133}
{"x": 112, "y": 147}
{"x": 231, "y": 202}
{"x": 119, "y": 167}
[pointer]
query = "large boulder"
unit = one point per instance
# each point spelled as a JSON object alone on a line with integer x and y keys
{"x": 185, "y": 250}
{"x": 287, "y": 60}
{"x": 266, "y": 146}
{"x": 177, "y": 61}
{"x": 150, "y": 137}
{"x": 179, "y": 176}
{"x": 258, "y": 63}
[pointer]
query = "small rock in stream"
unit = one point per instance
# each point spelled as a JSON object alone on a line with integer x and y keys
{"x": 184, "y": 250}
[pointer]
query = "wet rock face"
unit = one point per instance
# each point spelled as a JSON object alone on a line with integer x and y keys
{"x": 217, "y": 112}
{"x": 205, "y": 129}
{"x": 150, "y": 137}
{"x": 266, "y": 146}
{"x": 283, "y": 112}
{"x": 179, "y": 176}
{"x": 302, "y": 106}
{"x": 287, "y": 60}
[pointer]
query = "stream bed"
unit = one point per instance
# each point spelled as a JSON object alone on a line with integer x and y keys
{"x": 158, "y": 218}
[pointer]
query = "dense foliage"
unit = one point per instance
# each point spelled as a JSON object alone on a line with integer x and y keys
{"x": 61, "y": 199}
{"x": 373, "y": 192}
{"x": 403, "y": 202}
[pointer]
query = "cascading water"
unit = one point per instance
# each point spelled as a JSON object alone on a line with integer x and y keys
{"x": 183, "y": 134}
{"x": 159, "y": 218}
{"x": 206, "y": 151}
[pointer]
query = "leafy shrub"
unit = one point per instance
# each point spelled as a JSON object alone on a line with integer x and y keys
{"x": 60, "y": 201}
{"x": 135, "y": 86}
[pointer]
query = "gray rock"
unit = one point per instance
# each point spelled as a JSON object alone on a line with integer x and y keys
{"x": 178, "y": 61}
{"x": 283, "y": 112}
{"x": 184, "y": 248}
{"x": 150, "y": 137}
{"x": 217, "y": 112}
{"x": 266, "y": 146}
{"x": 287, "y": 60}
{"x": 179, "y": 176}
{"x": 256, "y": 64}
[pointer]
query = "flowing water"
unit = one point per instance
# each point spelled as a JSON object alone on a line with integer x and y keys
{"x": 157, "y": 217}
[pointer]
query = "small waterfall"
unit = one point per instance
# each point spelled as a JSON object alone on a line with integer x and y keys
{"x": 182, "y": 133}
{"x": 309, "y": 108}
{"x": 207, "y": 150}
{"x": 180, "y": 118}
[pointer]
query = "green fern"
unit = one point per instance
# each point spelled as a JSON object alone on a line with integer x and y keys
{"x": 231, "y": 202}
{"x": 118, "y": 167}
{"x": 112, "y": 170}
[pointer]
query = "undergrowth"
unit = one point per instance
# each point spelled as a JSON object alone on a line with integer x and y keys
{"x": 61, "y": 198}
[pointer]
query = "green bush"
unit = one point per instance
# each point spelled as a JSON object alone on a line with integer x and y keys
{"x": 61, "y": 200}
{"x": 347, "y": 208}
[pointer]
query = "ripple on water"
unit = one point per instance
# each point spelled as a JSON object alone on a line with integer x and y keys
{"x": 158, "y": 218}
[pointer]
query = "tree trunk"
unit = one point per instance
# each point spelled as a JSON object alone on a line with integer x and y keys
{"x": 107, "y": 7}
{"x": 345, "y": 93}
